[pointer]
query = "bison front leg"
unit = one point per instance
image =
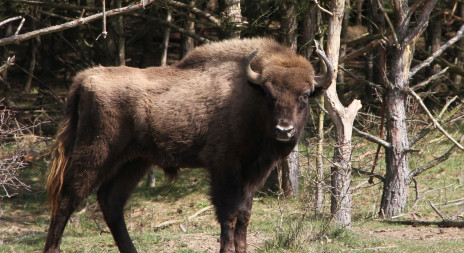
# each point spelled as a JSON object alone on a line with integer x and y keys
{"x": 243, "y": 218}
{"x": 226, "y": 196}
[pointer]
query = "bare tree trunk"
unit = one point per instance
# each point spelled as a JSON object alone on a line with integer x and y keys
{"x": 121, "y": 37}
{"x": 395, "y": 190}
{"x": 164, "y": 55}
{"x": 311, "y": 21}
{"x": 290, "y": 166}
{"x": 151, "y": 180}
{"x": 187, "y": 41}
{"x": 309, "y": 26}
{"x": 319, "y": 162}
{"x": 359, "y": 8}
{"x": 288, "y": 24}
{"x": 343, "y": 119}
{"x": 233, "y": 19}
{"x": 397, "y": 178}
{"x": 434, "y": 39}
{"x": 457, "y": 79}
{"x": 32, "y": 61}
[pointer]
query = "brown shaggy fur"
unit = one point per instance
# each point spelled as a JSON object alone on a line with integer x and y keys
{"x": 201, "y": 112}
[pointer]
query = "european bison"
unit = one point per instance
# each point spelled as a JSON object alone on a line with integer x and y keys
{"x": 225, "y": 107}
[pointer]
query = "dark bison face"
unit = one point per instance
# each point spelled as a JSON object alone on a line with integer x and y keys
{"x": 288, "y": 90}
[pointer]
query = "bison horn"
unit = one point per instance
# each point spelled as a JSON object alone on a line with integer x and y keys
{"x": 324, "y": 80}
{"x": 252, "y": 76}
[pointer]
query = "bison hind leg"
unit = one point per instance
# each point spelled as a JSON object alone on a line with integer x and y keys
{"x": 113, "y": 195}
{"x": 170, "y": 173}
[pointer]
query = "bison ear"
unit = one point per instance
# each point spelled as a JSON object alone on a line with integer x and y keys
{"x": 323, "y": 81}
{"x": 252, "y": 76}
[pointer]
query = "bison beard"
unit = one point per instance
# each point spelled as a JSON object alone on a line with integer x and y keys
{"x": 225, "y": 107}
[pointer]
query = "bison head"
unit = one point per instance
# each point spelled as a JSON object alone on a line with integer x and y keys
{"x": 288, "y": 84}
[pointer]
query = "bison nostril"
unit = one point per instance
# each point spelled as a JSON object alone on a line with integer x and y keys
{"x": 284, "y": 133}
{"x": 285, "y": 129}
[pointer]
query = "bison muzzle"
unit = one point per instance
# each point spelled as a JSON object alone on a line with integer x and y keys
{"x": 227, "y": 107}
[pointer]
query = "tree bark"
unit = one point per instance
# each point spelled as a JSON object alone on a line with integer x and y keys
{"x": 397, "y": 178}
{"x": 233, "y": 18}
{"x": 290, "y": 166}
{"x": 319, "y": 162}
{"x": 457, "y": 79}
{"x": 187, "y": 42}
{"x": 343, "y": 119}
{"x": 288, "y": 24}
{"x": 164, "y": 54}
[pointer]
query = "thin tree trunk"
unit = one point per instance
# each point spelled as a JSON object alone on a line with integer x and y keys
{"x": 395, "y": 189}
{"x": 288, "y": 24}
{"x": 290, "y": 166}
{"x": 187, "y": 42}
{"x": 233, "y": 19}
{"x": 319, "y": 162}
{"x": 121, "y": 37}
{"x": 32, "y": 61}
{"x": 164, "y": 55}
{"x": 309, "y": 26}
{"x": 343, "y": 119}
{"x": 457, "y": 79}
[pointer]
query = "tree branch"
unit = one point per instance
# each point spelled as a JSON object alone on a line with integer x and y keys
{"x": 372, "y": 138}
{"x": 373, "y": 85}
{"x": 430, "y": 79}
{"x": 370, "y": 174}
{"x": 429, "y": 60}
{"x": 432, "y": 163}
{"x": 7, "y": 64}
{"x": 390, "y": 24}
{"x": 422, "y": 21}
{"x": 175, "y": 27}
{"x": 358, "y": 52}
{"x": 6, "y": 21}
{"x": 68, "y": 25}
{"x": 435, "y": 122}
{"x": 195, "y": 11}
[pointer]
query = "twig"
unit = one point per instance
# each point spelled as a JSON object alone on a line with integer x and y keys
{"x": 437, "y": 211}
{"x": 429, "y": 60}
{"x": 322, "y": 8}
{"x": 358, "y": 52}
{"x": 392, "y": 28}
{"x": 373, "y": 85}
{"x": 68, "y": 25}
{"x": 434, "y": 162}
{"x": 9, "y": 62}
{"x": 104, "y": 32}
{"x": 368, "y": 173}
{"x": 20, "y": 26}
{"x": 435, "y": 122}
{"x": 195, "y": 11}
{"x": 6, "y": 21}
{"x": 174, "y": 27}
{"x": 372, "y": 138}
{"x": 190, "y": 218}
{"x": 416, "y": 188}
{"x": 430, "y": 79}
{"x": 458, "y": 212}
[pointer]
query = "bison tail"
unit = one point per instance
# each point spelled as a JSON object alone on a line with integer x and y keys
{"x": 62, "y": 150}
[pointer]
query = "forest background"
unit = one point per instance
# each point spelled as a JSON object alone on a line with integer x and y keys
{"x": 402, "y": 61}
